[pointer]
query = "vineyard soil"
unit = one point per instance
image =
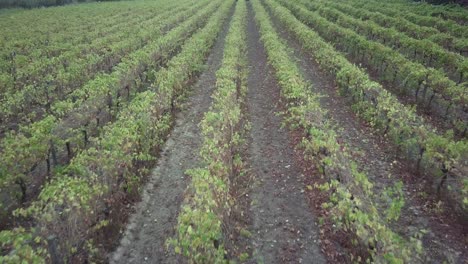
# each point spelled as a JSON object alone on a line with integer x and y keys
{"x": 284, "y": 228}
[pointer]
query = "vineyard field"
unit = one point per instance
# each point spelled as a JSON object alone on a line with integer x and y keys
{"x": 234, "y": 131}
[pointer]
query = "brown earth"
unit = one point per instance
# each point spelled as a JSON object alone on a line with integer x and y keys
{"x": 284, "y": 228}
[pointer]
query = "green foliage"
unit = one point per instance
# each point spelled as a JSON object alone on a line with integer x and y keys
{"x": 25, "y": 244}
{"x": 351, "y": 202}
{"x": 416, "y": 31}
{"x": 394, "y": 195}
{"x": 200, "y": 224}
{"x": 436, "y": 24}
{"x": 37, "y": 139}
{"x": 438, "y": 154}
{"x": 54, "y": 81}
{"x": 70, "y": 205}
{"x": 426, "y": 84}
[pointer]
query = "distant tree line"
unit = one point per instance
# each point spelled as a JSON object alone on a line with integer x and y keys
{"x": 39, "y": 3}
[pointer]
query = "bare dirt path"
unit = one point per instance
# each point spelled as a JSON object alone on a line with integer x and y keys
{"x": 284, "y": 228}
{"x": 156, "y": 215}
{"x": 445, "y": 238}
